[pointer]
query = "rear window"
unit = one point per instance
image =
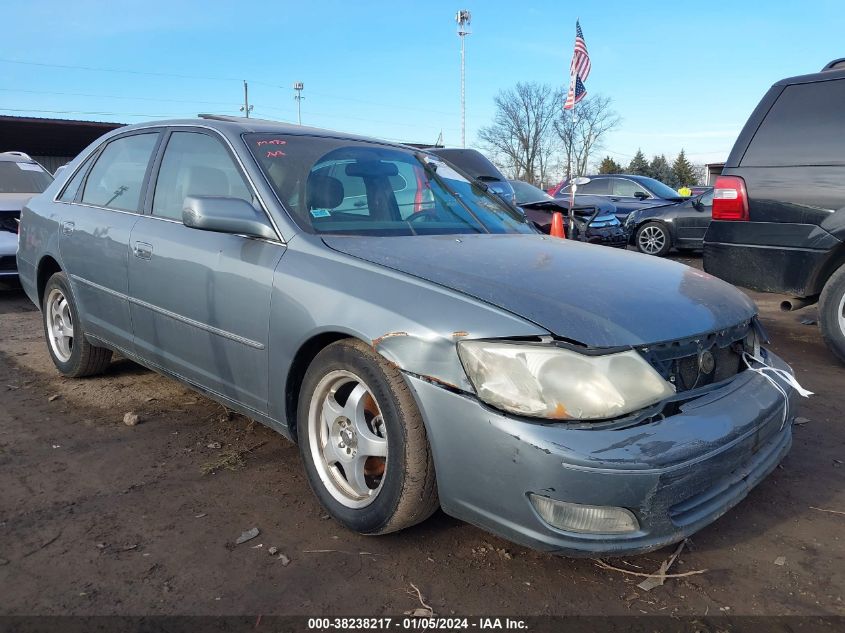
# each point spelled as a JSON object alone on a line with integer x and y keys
{"x": 805, "y": 126}
{"x": 23, "y": 177}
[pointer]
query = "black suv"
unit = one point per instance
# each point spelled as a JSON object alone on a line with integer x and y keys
{"x": 779, "y": 205}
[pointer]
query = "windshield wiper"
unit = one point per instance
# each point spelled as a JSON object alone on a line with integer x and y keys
{"x": 431, "y": 170}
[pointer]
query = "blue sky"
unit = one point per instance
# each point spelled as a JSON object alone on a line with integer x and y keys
{"x": 680, "y": 74}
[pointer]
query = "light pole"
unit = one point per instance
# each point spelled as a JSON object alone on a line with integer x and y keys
{"x": 298, "y": 86}
{"x": 463, "y": 18}
{"x": 246, "y": 108}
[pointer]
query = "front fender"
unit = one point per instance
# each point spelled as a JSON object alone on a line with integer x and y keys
{"x": 412, "y": 323}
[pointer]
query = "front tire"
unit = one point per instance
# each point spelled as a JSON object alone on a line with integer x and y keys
{"x": 832, "y": 313}
{"x": 72, "y": 354}
{"x": 363, "y": 441}
{"x": 653, "y": 239}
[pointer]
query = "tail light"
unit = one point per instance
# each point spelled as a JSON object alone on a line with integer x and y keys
{"x": 730, "y": 199}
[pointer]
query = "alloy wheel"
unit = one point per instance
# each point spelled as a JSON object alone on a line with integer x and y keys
{"x": 651, "y": 240}
{"x": 841, "y": 314}
{"x": 59, "y": 325}
{"x": 348, "y": 438}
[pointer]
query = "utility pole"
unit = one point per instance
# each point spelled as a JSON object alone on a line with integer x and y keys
{"x": 246, "y": 108}
{"x": 463, "y": 18}
{"x": 298, "y": 86}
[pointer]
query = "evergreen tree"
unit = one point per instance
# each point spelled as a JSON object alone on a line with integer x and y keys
{"x": 609, "y": 166}
{"x": 639, "y": 165}
{"x": 684, "y": 171}
{"x": 659, "y": 169}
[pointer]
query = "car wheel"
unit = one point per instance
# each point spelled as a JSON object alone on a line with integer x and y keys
{"x": 363, "y": 441}
{"x": 832, "y": 313}
{"x": 653, "y": 239}
{"x": 72, "y": 354}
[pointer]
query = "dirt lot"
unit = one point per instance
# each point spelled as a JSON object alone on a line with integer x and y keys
{"x": 97, "y": 517}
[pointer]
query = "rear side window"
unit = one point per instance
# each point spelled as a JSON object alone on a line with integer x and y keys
{"x": 117, "y": 177}
{"x": 805, "y": 126}
{"x": 195, "y": 165}
{"x": 72, "y": 188}
{"x": 599, "y": 187}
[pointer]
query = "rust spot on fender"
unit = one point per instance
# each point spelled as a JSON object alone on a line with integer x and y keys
{"x": 380, "y": 339}
{"x": 459, "y": 334}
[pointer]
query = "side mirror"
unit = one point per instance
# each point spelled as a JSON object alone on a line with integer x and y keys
{"x": 640, "y": 195}
{"x": 225, "y": 215}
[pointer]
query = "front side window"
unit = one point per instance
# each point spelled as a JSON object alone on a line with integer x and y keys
{"x": 659, "y": 189}
{"x": 195, "y": 164}
{"x": 350, "y": 187}
{"x": 117, "y": 178}
{"x": 22, "y": 177}
{"x": 625, "y": 188}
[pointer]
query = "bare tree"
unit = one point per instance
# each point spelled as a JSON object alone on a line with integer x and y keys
{"x": 521, "y": 136}
{"x": 583, "y": 132}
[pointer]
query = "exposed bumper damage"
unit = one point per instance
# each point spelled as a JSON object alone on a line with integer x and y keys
{"x": 676, "y": 474}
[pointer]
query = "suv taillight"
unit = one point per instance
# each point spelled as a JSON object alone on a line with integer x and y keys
{"x": 730, "y": 199}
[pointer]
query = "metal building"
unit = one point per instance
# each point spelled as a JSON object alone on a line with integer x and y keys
{"x": 52, "y": 142}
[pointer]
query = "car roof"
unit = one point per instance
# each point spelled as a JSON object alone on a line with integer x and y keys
{"x": 16, "y": 157}
{"x": 824, "y": 75}
{"x": 233, "y": 125}
{"x": 470, "y": 160}
{"x": 630, "y": 176}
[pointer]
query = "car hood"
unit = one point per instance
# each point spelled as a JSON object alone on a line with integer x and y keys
{"x": 14, "y": 201}
{"x": 580, "y": 201}
{"x": 594, "y": 296}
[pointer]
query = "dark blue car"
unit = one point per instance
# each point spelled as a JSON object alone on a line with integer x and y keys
{"x": 627, "y": 192}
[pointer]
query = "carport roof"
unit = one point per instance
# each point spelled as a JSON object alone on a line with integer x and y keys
{"x": 50, "y": 137}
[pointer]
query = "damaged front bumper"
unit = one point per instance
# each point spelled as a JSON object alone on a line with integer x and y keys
{"x": 676, "y": 474}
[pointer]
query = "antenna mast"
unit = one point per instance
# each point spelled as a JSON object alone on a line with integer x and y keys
{"x": 463, "y": 19}
{"x": 298, "y": 86}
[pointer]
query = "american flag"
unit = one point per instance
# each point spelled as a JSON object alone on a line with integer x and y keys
{"x": 579, "y": 70}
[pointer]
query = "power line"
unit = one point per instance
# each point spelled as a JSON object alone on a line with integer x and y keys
{"x": 114, "y": 70}
{"x": 90, "y": 113}
{"x": 206, "y": 78}
{"x": 103, "y": 96}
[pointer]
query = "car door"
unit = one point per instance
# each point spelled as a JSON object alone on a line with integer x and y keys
{"x": 200, "y": 300}
{"x": 99, "y": 207}
{"x": 691, "y": 223}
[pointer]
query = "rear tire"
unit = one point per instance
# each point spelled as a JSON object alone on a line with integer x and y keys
{"x": 832, "y": 313}
{"x": 363, "y": 441}
{"x": 652, "y": 238}
{"x": 71, "y": 352}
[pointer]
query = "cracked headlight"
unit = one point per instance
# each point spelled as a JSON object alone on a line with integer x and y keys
{"x": 550, "y": 382}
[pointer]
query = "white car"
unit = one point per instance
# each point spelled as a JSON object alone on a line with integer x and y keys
{"x": 20, "y": 179}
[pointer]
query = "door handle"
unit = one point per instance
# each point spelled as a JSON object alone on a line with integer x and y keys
{"x": 68, "y": 227}
{"x": 143, "y": 250}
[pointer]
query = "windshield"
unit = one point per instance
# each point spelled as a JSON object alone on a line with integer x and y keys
{"x": 23, "y": 177}
{"x": 658, "y": 188}
{"x": 348, "y": 187}
{"x": 526, "y": 193}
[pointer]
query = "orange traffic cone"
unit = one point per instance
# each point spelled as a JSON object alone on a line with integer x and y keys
{"x": 557, "y": 225}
